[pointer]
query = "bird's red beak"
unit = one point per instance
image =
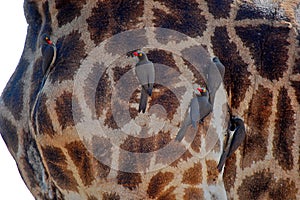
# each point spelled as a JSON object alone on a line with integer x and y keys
{"x": 49, "y": 42}
{"x": 200, "y": 89}
{"x": 135, "y": 53}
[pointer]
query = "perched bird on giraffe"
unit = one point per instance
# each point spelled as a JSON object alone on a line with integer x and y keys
{"x": 144, "y": 70}
{"x": 236, "y": 135}
{"x": 48, "y": 50}
{"x": 199, "y": 108}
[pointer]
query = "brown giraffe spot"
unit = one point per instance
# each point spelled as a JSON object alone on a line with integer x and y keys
{"x": 109, "y": 120}
{"x": 168, "y": 194}
{"x": 129, "y": 180}
{"x": 68, "y": 10}
{"x": 44, "y": 120}
{"x": 9, "y": 134}
{"x": 255, "y": 186}
{"x": 162, "y": 57}
{"x": 192, "y": 193}
{"x": 13, "y": 92}
{"x": 260, "y": 109}
{"x": 146, "y": 145}
{"x": 120, "y": 71}
{"x": 82, "y": 160}
{"x": 58, "y": 168}
{"x": 220, "y": 9}
{"x": 183, "y": 16}
{"x": 91, "y": 197}
{"x": 296, "y": 86}
{"x": 284, "y": 131}
{"x": 184, "y": 157}
{"x": 251, "y": 12}
{"x": 212, "y": 171}
{"x": 34, "y": 20}
{"x": 229, "y": 173}
{"x": 268, "y": 46}
{"x": 70, "y": 51}
{"x": 296, "y": 69}
{"x": 64, "y": 110}
{"x": 111, "y": 196}
{"x": 263, "y": 185}
{"x": 193, "y": 175}
{"x": 158, "y": 182}
{"x": 112, "y": 17}
{"x": 283, "y": 189}
{"x": 236, "y": 77}
{"x": 167, "y": 97}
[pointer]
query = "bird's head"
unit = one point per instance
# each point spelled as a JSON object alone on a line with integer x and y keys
{"x": 201, "y": 90}
{"x": 46, "y": 39}
{"x": 140, "y": 55}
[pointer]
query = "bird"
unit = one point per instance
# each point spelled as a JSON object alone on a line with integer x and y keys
{"x": 220, "y": 66}
{"x": 144, "y": 70}
{"x": 199, "y": 108}
{"x": 48, "y": 50}
{"x": 236, "y": 135}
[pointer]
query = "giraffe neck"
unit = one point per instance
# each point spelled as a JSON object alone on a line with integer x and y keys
{"x": 86, "y": 136}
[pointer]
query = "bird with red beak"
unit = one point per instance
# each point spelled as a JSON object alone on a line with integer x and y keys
{"x": 144, "y": 70}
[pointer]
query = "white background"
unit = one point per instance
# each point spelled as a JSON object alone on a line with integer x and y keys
{"x": 12, "y": 38}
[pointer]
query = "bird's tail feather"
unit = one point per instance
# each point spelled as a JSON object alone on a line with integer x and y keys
{"x": 143, "y": 101}
{"x": 222, "y": 161}
{"x": 181, "y": 133}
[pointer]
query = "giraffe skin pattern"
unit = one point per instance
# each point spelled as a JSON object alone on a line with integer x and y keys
{"x": 81, "y": 136}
